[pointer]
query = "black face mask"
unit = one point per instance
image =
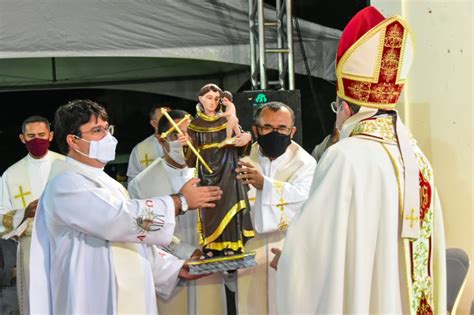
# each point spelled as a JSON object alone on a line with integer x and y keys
{"x": 273, "y": 144}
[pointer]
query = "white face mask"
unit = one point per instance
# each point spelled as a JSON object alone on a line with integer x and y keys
{"x": 102, "y": 150}
{"x": 176, "y": 152}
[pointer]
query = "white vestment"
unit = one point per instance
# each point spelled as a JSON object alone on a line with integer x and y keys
{"x": 344, "y": 252}
{"x": 287, "y": 180}
{"x": 23, "y": 182}
{"x": 143, "y": 154}
{"x": 80, "y": 266}
{"x": 159, "y": 179}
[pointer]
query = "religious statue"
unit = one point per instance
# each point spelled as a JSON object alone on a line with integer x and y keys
{"x": 222, "y": 230}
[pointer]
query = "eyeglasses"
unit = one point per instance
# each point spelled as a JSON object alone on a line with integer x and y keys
{"x": 99, "y": 130}
{"x": 336, "y": 105}
{"x": 266, "y": 129}
{"x": 172, "y": 136}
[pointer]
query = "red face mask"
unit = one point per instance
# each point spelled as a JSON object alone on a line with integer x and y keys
{"x": 37, "y": 147}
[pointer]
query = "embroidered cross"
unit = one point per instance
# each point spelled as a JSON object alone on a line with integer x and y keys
{"x": 22, "y": 196}
{"x": 412, "y": 218}
{"x": 146, "y": 161}
{"x": 283, "y": 224}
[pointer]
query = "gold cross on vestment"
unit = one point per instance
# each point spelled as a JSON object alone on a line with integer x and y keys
{"x": 22, "y": 196}
{"x": 283, "y": 224}
{"x": 412, "y": 218}
{"x": 146, "y": 161}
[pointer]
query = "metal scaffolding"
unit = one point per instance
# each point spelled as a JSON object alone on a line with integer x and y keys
{"x": 283, "y": 46}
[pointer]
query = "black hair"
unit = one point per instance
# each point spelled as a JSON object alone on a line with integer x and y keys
{"x": 34, "y": 119}
{"x": 164, "y": 124}
{"x": 275, "y": 107}
{"x": 71, "y": 116}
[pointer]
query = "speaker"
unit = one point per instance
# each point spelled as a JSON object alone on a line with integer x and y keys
{"x": 247, "y": 103}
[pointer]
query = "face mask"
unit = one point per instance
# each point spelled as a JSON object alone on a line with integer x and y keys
{"x": 37, "y": 147}
{"x": 273, "y": 144}
{"x": 176, "y": 152}
{"x": 102, "y": 150}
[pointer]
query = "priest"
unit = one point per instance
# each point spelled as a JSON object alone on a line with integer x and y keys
{"x": 370, "y": 237}
{"x": 94, "y": 247}
{"x": 279, "y": 173}
{"x": 147, "y": 150}
{"x": 22, "y": 184}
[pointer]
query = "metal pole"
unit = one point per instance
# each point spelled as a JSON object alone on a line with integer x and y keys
{"x": 261, "y": 46}
{"x": 253, "y": 59}
{"x": 289, "y": 38}
{"x": 279, "y": 19}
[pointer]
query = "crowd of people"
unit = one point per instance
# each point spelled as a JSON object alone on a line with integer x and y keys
{"x": 353, "y": 227}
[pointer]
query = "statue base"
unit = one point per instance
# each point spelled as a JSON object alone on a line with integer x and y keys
{"x": 211, "y": 265}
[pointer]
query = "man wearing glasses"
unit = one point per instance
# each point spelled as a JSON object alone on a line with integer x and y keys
{"x": 22, "y": 184}
{"x": 94, "y": 247}
{"x": 279, "y": 173}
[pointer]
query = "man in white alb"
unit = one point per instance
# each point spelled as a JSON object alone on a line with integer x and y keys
{"x": 93, "y": 246}
{"x": 280, "y": 173}
{"x": 148, "y": 150}
{"x": 22, "y": 184}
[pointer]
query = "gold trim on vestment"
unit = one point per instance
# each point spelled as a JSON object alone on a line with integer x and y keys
{"x": 237, "y": 245}
{"x": 249, "y": 233}
{"x": 206, "y": 117}
{"x": 419, "y": 284}
{"x": 7, "y": 221}
{"x": 240, "y": 205}
{"x": 205, "y": 129}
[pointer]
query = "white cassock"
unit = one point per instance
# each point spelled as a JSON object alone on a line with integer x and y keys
{"x": 143, "y": 154}
{"x": 287, "y": 181}
{"x": 93, "y": 246}
{"x": 23, "y": 182}
{"x": 344, "y": 252}
{"x": 158, "y": 179}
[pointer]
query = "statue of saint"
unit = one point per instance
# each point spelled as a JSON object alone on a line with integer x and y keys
{"x": 222, "y": 230}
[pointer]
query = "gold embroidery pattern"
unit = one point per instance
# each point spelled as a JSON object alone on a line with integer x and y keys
{"x": 394, "y": 36}
{"x": 383, "y": 88}
{"x": 7, "y": 221}
{"x": 360, "y": 90}
{"x": 418, "y": 252}
{"x": 284, "y": 222}
{"x": 381, "y": 128}
{"x": 385, "y": 92}
{"x": 389, "y": 65}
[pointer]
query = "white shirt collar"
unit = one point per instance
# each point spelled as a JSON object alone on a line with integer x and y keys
{"x": 44, "y": 159}
{"x": 95, "y": 170}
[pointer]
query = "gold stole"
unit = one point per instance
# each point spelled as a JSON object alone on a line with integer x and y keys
{"x": 127, "y": 262}
{"x": 418, "y": 252}
{"x": 284, "y": 173}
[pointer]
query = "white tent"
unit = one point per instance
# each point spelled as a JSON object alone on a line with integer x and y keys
{"x": 168, "y": 47}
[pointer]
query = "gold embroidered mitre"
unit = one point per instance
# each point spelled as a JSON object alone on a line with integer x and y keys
{"x": 373, "y": 59}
